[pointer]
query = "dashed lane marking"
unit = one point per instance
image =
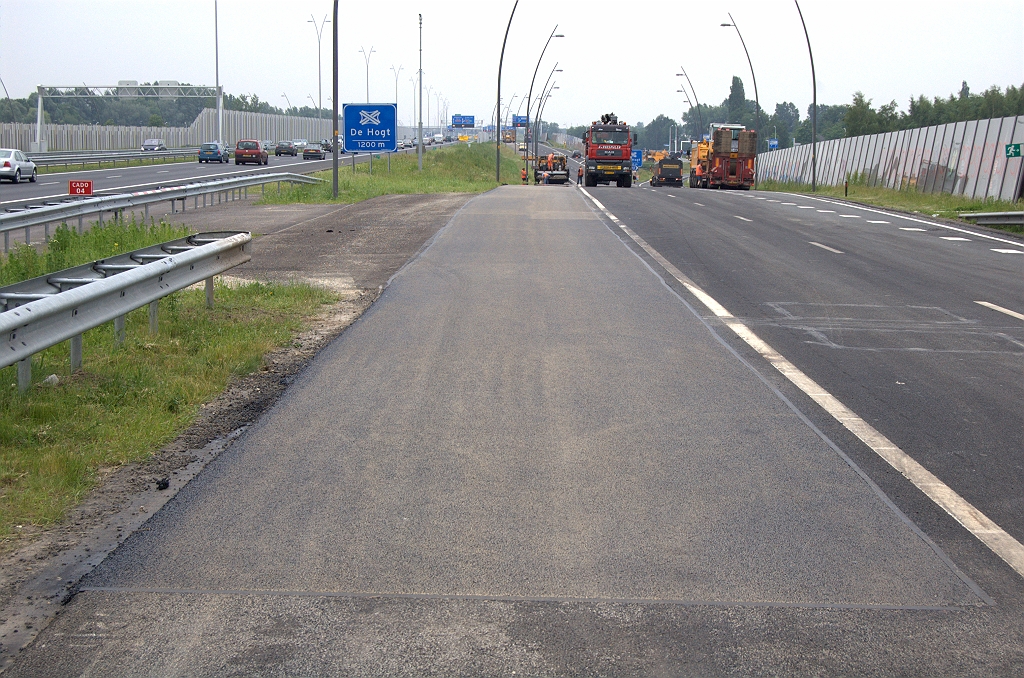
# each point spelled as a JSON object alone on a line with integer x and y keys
{"x": 877, "y": 222}
{"x": 698, "y": 204}
{"x": 1019, "y": 316}
{"x": 849, "y": 216}
{"x": 910, "y": 228}
{"x": 742, "y": 218}
{"x": 954, "y": 237}
{"x": 977, "y": 523}
{"x": 789, "y": 203}
{"x": 825, "y": 247}
{"x": 1005, "y": 251}
{"x": 827, "y": 211}
{"x": 804, "y": 207}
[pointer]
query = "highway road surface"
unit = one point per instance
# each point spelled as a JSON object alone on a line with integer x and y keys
{"x": 572, "y": 438}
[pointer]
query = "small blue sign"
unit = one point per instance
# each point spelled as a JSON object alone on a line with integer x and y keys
{"x": 773, "y": 144}
{"x": 370, "y": 128}
{"x": 638, "y": 160}
{"x": 463, "y": 121}
{"x": 519, "y": 120}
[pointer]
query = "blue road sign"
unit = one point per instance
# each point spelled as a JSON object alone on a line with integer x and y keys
{"x": 773, "y": 144}
{"x": 638, "y": 160}
{"x": 370, "y": 128}
{"x": 463, "y": 121}
{"x": 519, "y": 121}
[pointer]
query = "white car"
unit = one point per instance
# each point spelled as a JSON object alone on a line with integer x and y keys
{"x": 300, "y": 143}
{"x": 438, "y": 138}
{"x": 15, "y": 166}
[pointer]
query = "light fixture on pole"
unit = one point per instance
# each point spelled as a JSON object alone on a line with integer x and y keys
{"x": 757, "y": 101}
{"x": 286, "y": 99}
{"x": 529, "y": 96}
{"x": 396, "y": 81}
{"x": 700, "y": 115}
{"x": 366, "y": 58}
{"x": 814, "y": 106}
{"x": 319, "y": 76}
{"x": 501, "y": 61}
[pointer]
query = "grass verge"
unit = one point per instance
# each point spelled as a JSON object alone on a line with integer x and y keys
{"x": 56, "y": 441}
{"x": 463, "y": 168}
{"x": 929, "y": 204}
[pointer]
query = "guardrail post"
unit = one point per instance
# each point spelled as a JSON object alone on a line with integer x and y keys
{"x": 7, "y": 242}
{"x": 27, "y": 233}
{"x": 46, "y": 232}
{"x": 147, "y": 212}
{"x": 246, "y": 192}
{"x": 119, "y": 332}
{"x": 24, "y": 374}
{"x": 76, "y": 352}
{"x": 81, "y": 227}
{"x": 154, "y": 308}
{"x": 209, "y": 293}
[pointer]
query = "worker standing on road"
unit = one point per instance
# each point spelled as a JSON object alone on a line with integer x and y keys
{"x": 579, "y": 174}
{"x": 522, "y": 175}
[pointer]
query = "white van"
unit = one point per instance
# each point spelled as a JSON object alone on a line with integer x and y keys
{"x": 438, "y": 138}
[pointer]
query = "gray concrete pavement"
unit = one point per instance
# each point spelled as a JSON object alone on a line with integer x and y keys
{"x": 528, "y": 456}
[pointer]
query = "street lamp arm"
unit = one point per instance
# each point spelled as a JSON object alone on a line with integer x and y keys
{"x": 814, "y": 106}
{"x": 529, "y": 96}
{"x": 753, "y": 77}
{"x": 700, "y": 115}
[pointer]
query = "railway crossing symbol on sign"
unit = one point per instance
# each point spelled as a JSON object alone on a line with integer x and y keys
{"x": 80, "y": 187}
{"x": 1012, "y": 150}
{"x": 370, "y": 128}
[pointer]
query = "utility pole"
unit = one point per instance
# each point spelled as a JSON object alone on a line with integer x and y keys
{"x": 334, "y": 121}
{"x": 419, "y": 137}
{"x": 216, "y": 70}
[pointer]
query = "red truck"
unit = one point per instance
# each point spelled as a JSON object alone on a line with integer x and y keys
{"x": 608, "y": 149}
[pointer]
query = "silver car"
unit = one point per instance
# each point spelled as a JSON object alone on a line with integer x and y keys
{"x": 15, "y": 166}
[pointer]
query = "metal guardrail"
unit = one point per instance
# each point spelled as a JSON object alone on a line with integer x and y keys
{"x": 98, "y": 205}
{"x": 994, "y": 218}
{"x": 44, "y": 311}
{"x": 90, "y": 157}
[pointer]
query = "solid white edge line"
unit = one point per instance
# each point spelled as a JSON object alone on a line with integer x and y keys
{"x": 1007, "y": 311}
{"x": 907, "y": 218}
{"x": 825, "y": 247}
{"x": 974, "y": 521}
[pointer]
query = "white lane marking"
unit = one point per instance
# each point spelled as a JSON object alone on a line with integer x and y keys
{"x": 1002, "y": 251}
{"x": 114, "y": 176}
{"x": 698, "y": 204}
{"x": 1007, "y": 311}
{"x": 954, "y": 237}
{"x": 877, "y": 222}
{"x": 743, "y": 218}
{"x": 762, "y": 198}
{"x": 827, "y": 211}
{"x": 670, "y": 195}
{"x": 974, "y": 521}
{"x": 849, "y": 216}
{"x": 825, "y": 247}
{"x": 789, "y": 203}
{"x": 804, "y": 207}
{"x": 163, "y": 171}
{"x": 910, "y": 228}
{"x": 48, "y": 183}
{"x": 908, "y": 218}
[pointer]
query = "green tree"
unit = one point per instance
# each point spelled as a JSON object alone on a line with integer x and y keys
{"x": 155, "y": 120}
{"x": 737, "y": 102}
{"x": 654, "y": 135}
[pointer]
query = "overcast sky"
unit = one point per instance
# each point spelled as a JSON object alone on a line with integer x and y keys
{"x": 616, "y": 56}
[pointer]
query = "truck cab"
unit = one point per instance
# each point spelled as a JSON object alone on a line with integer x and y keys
{"x": 608, "y": 147}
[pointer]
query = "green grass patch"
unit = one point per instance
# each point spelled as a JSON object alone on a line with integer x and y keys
{"x": 55, "y": 441}
{"x": 462, "y": 168}
{"x": 907, "y": 200}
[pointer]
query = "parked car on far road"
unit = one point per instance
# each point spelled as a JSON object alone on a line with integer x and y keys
{"x": 213, "y": 151}
{"x": 250, "y": 150}
{"x": 15, "y": 166}
{"x": 285, "y": 148}
{"x": 154, "y": 145}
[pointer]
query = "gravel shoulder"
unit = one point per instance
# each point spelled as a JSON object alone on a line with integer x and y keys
{"x": 351, "y": 249}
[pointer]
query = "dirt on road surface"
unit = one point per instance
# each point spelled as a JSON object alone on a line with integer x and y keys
{"x": 352, "y": 250}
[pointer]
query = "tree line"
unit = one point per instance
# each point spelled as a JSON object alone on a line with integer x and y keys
{"x": 138, "y": 111}
{"x": 834, "y": 121}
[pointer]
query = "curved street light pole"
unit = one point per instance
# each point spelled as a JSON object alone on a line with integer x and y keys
{"x": 419, "y": 135}
{"x": 544, "y": 102}
{"x": 334, "y": 120}
{"x": 757, "y": 102}
{"x": 554, "y": 69}
{"x": 529, "y": 97}
{"x": 814, "y": 107}
{"x": 286, "y": 99}
{"x": 699, "y": 114}
{"x": 396, "y": 82}
{"x": 501, "y": 61}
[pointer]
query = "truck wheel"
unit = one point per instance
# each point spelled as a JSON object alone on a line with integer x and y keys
{"x": 627, "y": 182}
